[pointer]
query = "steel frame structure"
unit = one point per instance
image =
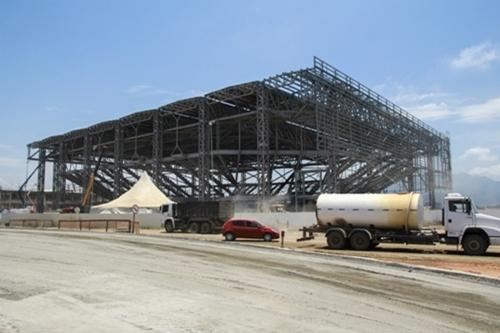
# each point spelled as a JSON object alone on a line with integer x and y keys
{"x": 293, "y": 135}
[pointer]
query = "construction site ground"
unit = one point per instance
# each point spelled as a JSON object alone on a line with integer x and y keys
{"x": 440, "y": 256}
{"x": 71, "y": 281}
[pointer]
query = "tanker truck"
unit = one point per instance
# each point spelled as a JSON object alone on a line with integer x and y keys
{"x": 362, "y": 221}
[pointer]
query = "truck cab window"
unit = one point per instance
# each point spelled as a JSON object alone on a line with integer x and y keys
{"x": 457, "y": 206}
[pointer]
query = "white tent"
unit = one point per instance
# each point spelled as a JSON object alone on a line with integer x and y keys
{"x": 144, "y": 194}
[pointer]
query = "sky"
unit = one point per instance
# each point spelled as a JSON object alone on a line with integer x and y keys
{"x": 70, "y": 64}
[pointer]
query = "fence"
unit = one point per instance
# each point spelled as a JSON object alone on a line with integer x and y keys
{"x": 106, "y": 224}
{"x": 32, "y": 223}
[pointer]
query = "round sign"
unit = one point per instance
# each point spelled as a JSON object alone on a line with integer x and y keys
{"x": 77, "y": 210}
{"x": 135, "y": 209}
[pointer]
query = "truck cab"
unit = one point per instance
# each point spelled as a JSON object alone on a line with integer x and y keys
{"x": 169, "y": 212}
{"x": 466, "y": 226}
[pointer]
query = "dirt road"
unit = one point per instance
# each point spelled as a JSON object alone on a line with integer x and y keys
{"x": 90, "y": 282}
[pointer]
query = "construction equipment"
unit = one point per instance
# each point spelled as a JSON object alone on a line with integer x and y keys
{"x": 85, "y": 204}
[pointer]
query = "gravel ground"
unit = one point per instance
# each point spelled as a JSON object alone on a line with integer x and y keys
{"x": 433, "y": 256}
{"x": 95, "y": 282}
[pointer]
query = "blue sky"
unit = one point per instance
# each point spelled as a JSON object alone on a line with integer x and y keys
{"x": 70, "y": 64}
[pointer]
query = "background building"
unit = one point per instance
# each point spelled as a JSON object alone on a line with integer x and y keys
{"x": 287, "y": 137}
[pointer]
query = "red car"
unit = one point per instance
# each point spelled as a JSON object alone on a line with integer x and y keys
{"x": 243, "y": 228}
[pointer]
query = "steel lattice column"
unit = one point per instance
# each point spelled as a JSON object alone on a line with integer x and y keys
{"x": 325, "y": 111}
{"x": 447, "y": 163}
{"x": 118, "y": 154}
{"x": 40, "y": 200}
{"x": 430, "y": 180}
{"x": 157, "y": 146}
{"x": 263, "y": 134}
{"x": 203, "y": 150}
{"x": 87, "y": 167}
{"x": 58, "y": 180}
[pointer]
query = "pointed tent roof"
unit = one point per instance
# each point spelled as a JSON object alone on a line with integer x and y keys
{"x": 144, "y": 194}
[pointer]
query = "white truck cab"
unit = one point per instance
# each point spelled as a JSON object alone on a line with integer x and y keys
{"x": 473, "y": 230}
{"x": 168, "y": 212}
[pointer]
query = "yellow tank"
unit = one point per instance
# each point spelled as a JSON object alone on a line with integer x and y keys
{"x": 381, "y": 211}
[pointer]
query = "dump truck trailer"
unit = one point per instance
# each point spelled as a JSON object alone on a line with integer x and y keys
{"x": 362, "y": 221}
{"x": 196, "y": 216}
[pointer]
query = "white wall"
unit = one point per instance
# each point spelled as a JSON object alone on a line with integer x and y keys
{"x": 146, "y": 220}
{"x": 282, "y": 220}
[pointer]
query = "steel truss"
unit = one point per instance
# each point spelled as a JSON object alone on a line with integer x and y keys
{"x": 293, "y": 136}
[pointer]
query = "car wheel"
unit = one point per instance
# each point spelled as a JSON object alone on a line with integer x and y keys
{"x": 194, "y": 228}
{"x": 336, "y": 240}
{"x": 229, "y": 236}
{"x": 360, "y": 241}
{"x": 474, "y": 244}
{"x": 205, "y": 228}
{"x": 169, "y": 226}
{"x": 268, "y": 237}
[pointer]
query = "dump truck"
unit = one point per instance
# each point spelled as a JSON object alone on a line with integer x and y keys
{"x": 362, "y": 221}
{"x": 196, "y": 216}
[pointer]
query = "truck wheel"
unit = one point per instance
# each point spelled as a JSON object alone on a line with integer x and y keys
{"x": 336, "y": 240}
{"x": 360, "y": 241}
{"x": 268, "y": 238}
{"x": 229, "y": 237}
{"x": 193, "y": 228}
{"x": 205, "y": 228}
{"x": 169, "y": 226}
{"x": 474, "y": 244}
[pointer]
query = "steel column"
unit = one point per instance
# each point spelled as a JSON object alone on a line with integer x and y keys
{"x": 157, "y": 146}
{"x": 117, "y": 157}
{"x": 263, "y": 136}
{"x": 203, "y": 150}
{"x": 40, "y": 199}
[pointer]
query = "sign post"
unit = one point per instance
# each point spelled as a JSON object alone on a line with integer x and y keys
{"x": 135, "y": 210}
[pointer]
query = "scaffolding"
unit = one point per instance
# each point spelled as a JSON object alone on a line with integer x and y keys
{"x": 293, "y": 136}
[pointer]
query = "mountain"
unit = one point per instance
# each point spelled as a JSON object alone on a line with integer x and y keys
{"x": 484, "y": 191}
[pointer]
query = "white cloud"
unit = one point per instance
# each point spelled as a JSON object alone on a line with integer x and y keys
{"x": 431, "y": 111}
{"x": 492, "y": 171}
{"x": 435, "y": 105}
{"x": 477, "y": 56}
{"x": 480, "y": 154}
{"x": 485, "y": 111}
{"x": 415, "y": 97}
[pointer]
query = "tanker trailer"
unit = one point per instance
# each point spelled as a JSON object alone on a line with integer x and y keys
{"x": 362, "y": 221}
{"x": 377, "y": 211}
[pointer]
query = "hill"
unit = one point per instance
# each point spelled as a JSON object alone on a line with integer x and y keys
{"x": 484, "y": 191}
